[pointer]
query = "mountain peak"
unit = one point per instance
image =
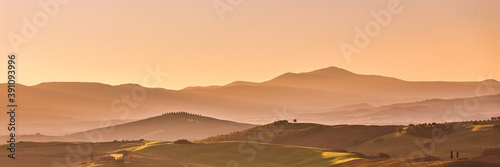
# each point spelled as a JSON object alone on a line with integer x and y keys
{"x": 241, "y": 83}
{"x": 331, "y": 70}
{"x": 129, "y": 85}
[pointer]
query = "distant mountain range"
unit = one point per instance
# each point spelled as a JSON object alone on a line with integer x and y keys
{"x": 183, "y": 125}
{"x": 58, "y": 108}
{"x": 426, "y": 111}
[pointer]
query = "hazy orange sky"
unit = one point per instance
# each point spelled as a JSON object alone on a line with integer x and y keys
{"x": 114, "y": 41}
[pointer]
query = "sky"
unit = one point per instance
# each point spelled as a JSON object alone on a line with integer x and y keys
{"x": 202, "y": 43}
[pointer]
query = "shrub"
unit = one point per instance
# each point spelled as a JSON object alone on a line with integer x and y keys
{"x": 281, "y": 122}
{"x": 107, "y": 158}
{"x": 124, "y": 152}
{"x": 182, "y": 141}
{"x": 383, "y": 155}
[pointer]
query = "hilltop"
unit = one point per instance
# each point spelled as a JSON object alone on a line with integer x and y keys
{"x": 468, "y": 138}
{"x": 167, "y": 127}
{"x": 306, "y": 134}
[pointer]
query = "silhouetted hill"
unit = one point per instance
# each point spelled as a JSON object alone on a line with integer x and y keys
{"x": 170, "y": 126}
{"x": 49, "y": 107}
{"x": 425, "y": 111}
{"x": 306, "y": 134}
{"x": 339, "y": 80}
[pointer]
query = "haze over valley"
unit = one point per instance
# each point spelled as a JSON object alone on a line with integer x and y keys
{"x": 329, "y": 96}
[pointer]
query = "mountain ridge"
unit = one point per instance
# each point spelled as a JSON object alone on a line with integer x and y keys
{"x": 302, "y": 93}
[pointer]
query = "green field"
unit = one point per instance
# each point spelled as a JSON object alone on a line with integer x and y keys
{"x": 196, "y": 155}
{"x": 468, "y": 140}
{"x": 41, "y": 149}
{"x": 244, "y": 154}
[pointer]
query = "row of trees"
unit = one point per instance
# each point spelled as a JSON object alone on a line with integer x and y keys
{"x": 180, "y": 112}
{"x": 495, "y": 119}
{"x": 182, "y": 141}
{"x": 140, "y": 140}
{"x": 426, "y": 130}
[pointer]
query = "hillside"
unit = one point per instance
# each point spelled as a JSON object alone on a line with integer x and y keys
{"x": 243, "y": 154}
{"x": 340, "y": 80}
{"x": 305, "y": 134}
{"x": 231, "y": 154}
{"x": 432, "y": 110}
{"x": 149, "y": 153}
{"x": 58, "y": 108}
{"x": 167, "y": 127}
{"x": 56, "y": 153}
{"x": 398, "y": 162}
{"x": 469, "y": 140}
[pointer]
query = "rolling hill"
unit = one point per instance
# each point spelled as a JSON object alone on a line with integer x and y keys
{"x": 153, "y": 153}
{"x": 167, "y": 127}
{"x": 49, "y": 108}
{"x": 469, "y": 140}
{"x": 425, "y": 111}
{"x": 245, "y": 154}
{"x": 306, "y": 134}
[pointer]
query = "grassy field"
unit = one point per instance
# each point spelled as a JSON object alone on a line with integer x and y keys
{"x": 244, "y": 154}
{"x": 307, "y": 134}
{"x": 469, "y": 140}
{"x": 62, "y": 149}
{"x": 47, "y": 153}
{"x": 196, "y": 155}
